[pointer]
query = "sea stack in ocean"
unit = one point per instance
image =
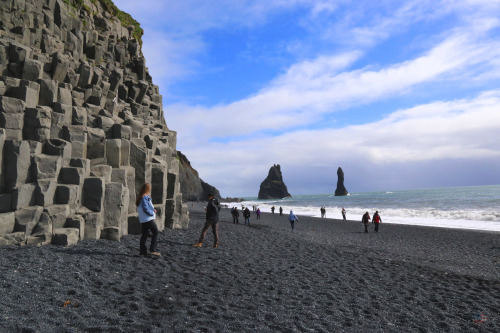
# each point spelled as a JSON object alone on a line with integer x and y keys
{"x": 341, "y": 190}
{"x": 81, "y": 126}
{"x": 273, "y": 186}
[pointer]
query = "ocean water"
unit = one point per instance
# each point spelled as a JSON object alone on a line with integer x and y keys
{"x": 473, "y": 207}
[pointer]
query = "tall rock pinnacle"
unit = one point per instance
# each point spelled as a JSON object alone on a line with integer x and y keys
{"x": 341, "y": 190}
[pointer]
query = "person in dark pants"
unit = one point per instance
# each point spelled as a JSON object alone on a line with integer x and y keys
{"x": 147, "y": 216}
{"x": 376, "y": 220}
{"x": 365, "y": 220}
{"x": 236, "y": 215}
{"x": 292, "y": 218}
{"x": 258, "y": 213}
{"x": 212, "y": 218}
{"x": 272, "y": 210}
{"x": 281, "y": 211}
{"x": 343, "y": 213}
{"x": 246, "y": 215}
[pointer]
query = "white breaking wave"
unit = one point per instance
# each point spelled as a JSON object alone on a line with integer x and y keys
{"x": 459, "y": 219}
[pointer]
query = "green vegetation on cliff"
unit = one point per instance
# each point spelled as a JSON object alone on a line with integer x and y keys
{"x": 122, "y": 16}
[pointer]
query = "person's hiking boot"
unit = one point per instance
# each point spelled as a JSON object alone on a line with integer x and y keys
{"x": 198, "y": 245}
{"x": 216, "y": 245}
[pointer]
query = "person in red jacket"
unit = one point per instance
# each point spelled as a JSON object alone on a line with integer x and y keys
{"x": 376, "y": 220}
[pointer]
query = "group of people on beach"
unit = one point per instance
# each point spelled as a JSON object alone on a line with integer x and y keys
{"x": 280, "y": 210}
{"x": 211, "y": 220}
{"x": 147, "y": 216}
{"x": 376, "y": 220}
{"x": 323, "y": 212}
{"x": 246, "y": 214}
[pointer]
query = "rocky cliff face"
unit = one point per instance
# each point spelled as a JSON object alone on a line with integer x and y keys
{"x": 193, "y": 188}
{"x": 209, "y": 189}
{"x": 81, "y": 125}
{"x": 340, "y": 190}
{"x": 273, "y": 186}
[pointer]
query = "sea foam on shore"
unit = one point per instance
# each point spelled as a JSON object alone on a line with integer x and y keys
{"x": 476, "y": 208}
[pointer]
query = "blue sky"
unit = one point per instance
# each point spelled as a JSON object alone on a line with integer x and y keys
{"x": 400, "y": 94}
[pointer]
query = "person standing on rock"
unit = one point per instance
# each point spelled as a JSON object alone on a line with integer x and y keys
{"x": 365, "y": 220}
{"x": 343, "y": 213}
{"x": 212, "y": 219}
{"x": 376, "y": 220}
{"x": 147, "y": 216}
{"x": 281, "y": 211}
{"x": 292, "y": 218}
{"x": 246, "y": 215}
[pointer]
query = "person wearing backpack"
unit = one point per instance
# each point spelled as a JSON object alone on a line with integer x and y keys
{"x": 212, "y": 218}
{"x": 376, "y": 220}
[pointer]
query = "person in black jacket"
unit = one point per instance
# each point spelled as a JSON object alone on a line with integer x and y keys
{"x": 365, "y": 220}
{"x": 246, "y": 215}
{"x": 212, "y": 217}
{"x": 236, "y": 215}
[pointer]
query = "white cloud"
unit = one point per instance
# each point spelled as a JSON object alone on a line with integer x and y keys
{"x": 438, "y": 132}
{"x": 460, "y": 53}
{"x": 169, "y": 59}
{"x": 310, "y": 89}
{"x": 190, "y": 17}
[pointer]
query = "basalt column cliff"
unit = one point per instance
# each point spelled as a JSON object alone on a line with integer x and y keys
{"x": 81, "y": 125}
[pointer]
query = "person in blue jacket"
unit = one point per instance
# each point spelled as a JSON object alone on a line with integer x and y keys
{"x": 292, "y": 218}
{"x": 147, "y": 216}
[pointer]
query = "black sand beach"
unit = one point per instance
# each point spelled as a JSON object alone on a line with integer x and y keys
{"x": 326, "y": 276}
